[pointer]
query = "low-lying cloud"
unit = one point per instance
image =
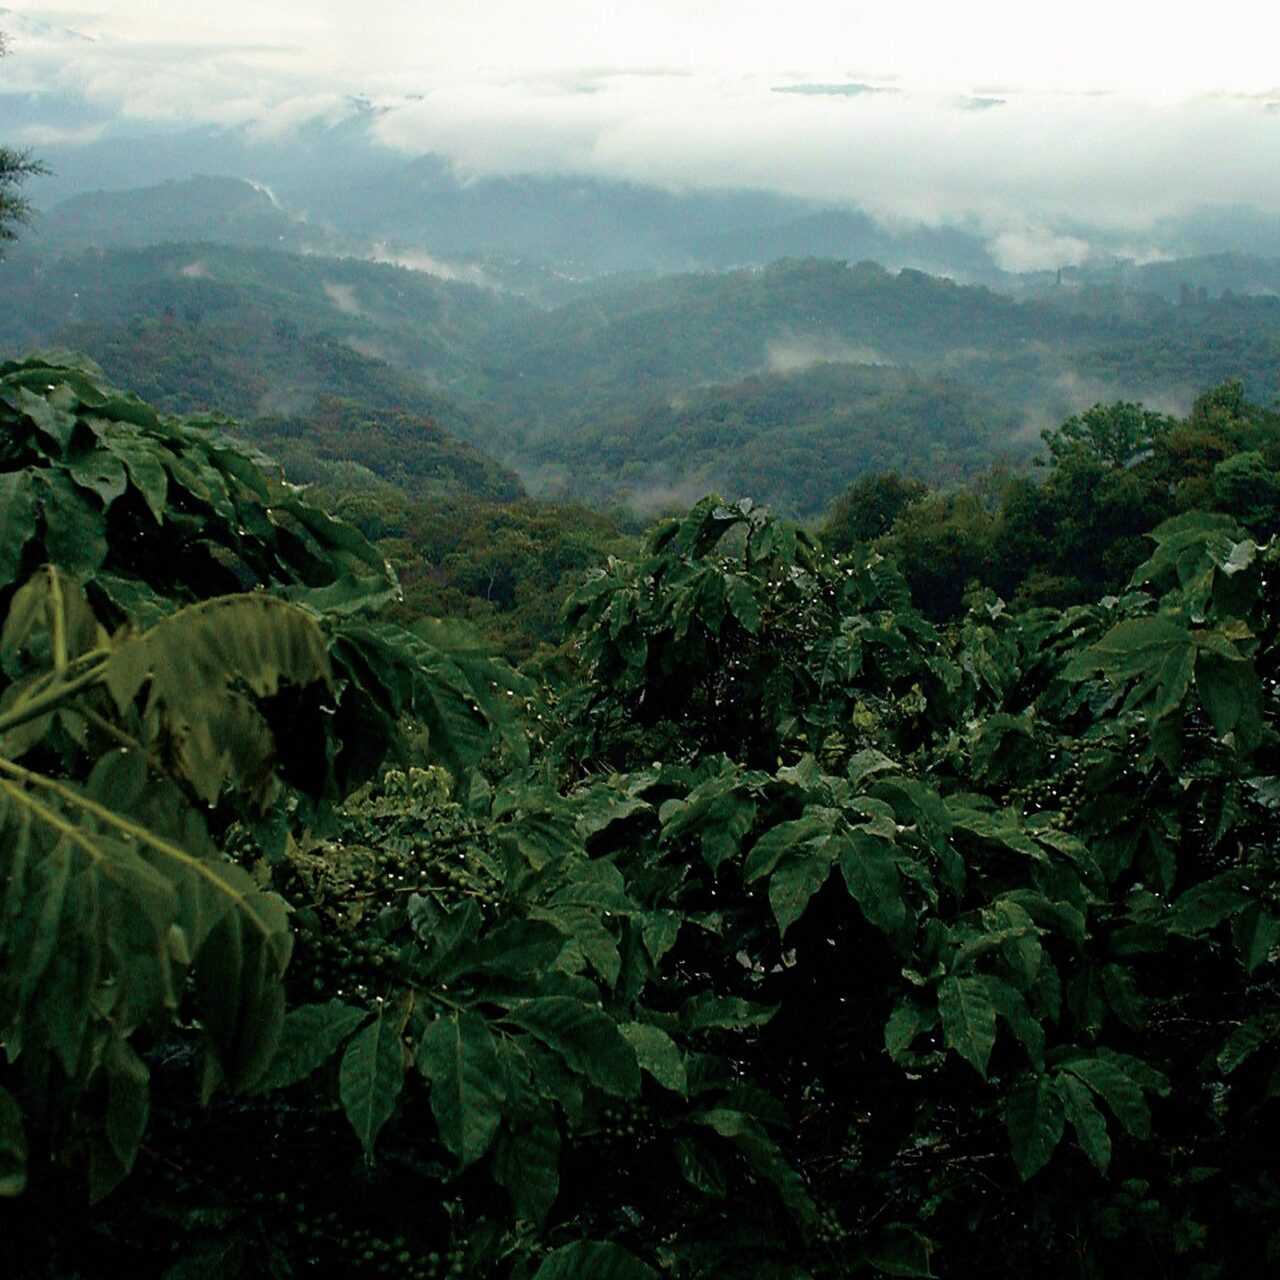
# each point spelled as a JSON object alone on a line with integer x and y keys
{"x": 795, "y": 353}
{"x": 1023, "y": 162}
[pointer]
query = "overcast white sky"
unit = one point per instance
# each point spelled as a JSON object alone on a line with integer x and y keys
{"x": 1013, "y": 110}
{"x": 1157, "y": 47}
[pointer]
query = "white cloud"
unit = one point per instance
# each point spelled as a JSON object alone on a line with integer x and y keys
{"x": 1033, "y": 248}
{"x": 1116, "y": 117}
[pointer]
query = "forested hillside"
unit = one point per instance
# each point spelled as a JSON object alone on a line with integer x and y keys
{"x": 786, "y": 382}
{"x": 775, "y": 929}
{"x": 798, "y": 437}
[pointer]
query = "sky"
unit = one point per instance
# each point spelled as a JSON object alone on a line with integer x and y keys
{"x": 1018, "y": 114}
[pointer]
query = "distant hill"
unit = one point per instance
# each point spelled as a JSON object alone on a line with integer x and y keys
{"x": 435, "y": 328}
{"x": 654, "y": 338}
{"x": 854, "y": 236}
{"x": 221, "y": 210}
{"x": 572, "y": 397}
{"x": 795, "y": 439}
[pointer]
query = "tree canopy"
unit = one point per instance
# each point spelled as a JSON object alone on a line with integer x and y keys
{"x": 780, "y": 932}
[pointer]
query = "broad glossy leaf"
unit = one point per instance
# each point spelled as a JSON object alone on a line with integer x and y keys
{"x": 744, "y": 606}
{"x": 730, "y": 1013}
{"x": 657, "y": 1054}
{"x": 128, "y": 1105}
{"x": 1086, "y": 1120}
{"x": 871, "y": 875}
{"x": 238, "y": 969}
{"x": 968, "y": 1019}
{"x": 701, "y": 1168}
{"x": 905, "y": 1023}
{"x": 102, "y": 473}
{"x": 1209, "y": 903}
{"x": 586, "y": 1038}
{"x": 785, "y": 838}
{"x": 796, "y": 879}
{"x": 73, "y": 531}
{"x": 311, "y": 1035}
{"x": 1257, "y": 932}
{"x": 457, "y": 1054}
{"x": 372, "y": 1073}
{"x": 1117, "y": 1089}
{"x": 17, "y": 521}
{"x": 1012, "y": 1007}
{"x": 1035, "y": 1119}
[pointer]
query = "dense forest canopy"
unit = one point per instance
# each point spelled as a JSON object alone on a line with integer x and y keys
{"x": 774, "y": 929}
{"x": 762, "y": 374}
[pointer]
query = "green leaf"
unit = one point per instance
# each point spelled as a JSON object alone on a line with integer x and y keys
{"x": 659, "y": 929}
{"x": 17, "y": 522}
{"x": 1035, "y": 1120}
{"x": 372, "y": 1073}
{"x": 1209, "y": 903}
{"x": 239, "y": 963}
{"x": 586, "y": 1038}
{"x": 1158, "y": 652}
{"x": 905, "y": 1023}
{"x": 1227, "y": 690}
{"x": 147, "y": 473}
{"x": 74, "y": 537}
{"x": 1246, "y": 1040}
{"x": 458, "y": 1056}
{"x": 1256, "y": 932}
{"x": 13, "y": 1147}
{"x": 968, "y": 1019}
{"x": 871, "y": 875}
{"x": 1011, "y": 1005}
{"x": 101, "y": 472}
{"x": 594, "y": 1260}
{"x": 526, "y": 1160}
{"x": 743, "y": 604}
{"x": 901, "y": 1250}
{"x": 701, "y": 1168}
{"x": 1123, "y": 996}
{"x": 777, "y": 842}
{"x": 657, "y": 1054}
{"x": 729, "y": 1013}
{"x": 1117, "y": 1089}
{"x": 1086, "y": 1120}
{"x": 797, "y": 879}
{"x": 310, "y": 1036}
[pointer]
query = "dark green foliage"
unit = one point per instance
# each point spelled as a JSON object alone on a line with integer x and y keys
{"x": 790, "y": 935}
{"x": 798, "y": 437}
